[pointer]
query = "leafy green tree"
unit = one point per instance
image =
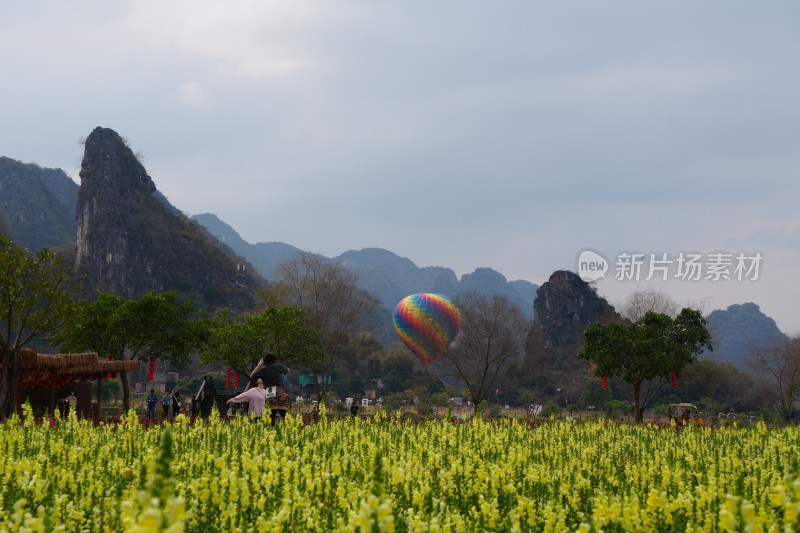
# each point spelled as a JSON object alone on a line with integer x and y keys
{"x": 156, "y": 325}
{"x": 37, "y": 297}
{"x": 645, "y": 352}
{"x": 399, "y": 370}
{"x": 239, "y": 342}
{"x": 722, "y": 381}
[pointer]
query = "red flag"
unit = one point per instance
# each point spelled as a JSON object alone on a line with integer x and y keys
{"x": 674, "y": 381}
{"x": 151, "y": 372}
{"x": 605, "y": 382}
{"x": 228, "y": 379}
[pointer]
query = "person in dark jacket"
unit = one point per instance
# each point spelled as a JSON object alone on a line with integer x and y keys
{"x": 272, "y": 373}
{"x": 152, "y": 401}
{"x": 176, "y": 404}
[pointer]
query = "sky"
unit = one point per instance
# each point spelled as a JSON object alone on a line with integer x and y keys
{"x": 513, "y": 135}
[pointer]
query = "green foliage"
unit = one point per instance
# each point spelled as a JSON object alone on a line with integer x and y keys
{"x": 395, "y": 400}
{"x": 722, "y": 381}
{"x": 424, "y": 408}
{"x": 241, "y": 341}
{"x": 111, "y": 391}
{"x": 493, "y": 411}
{"x": 551, "y": 409}
{"x": 334, "y": 403}
{"x": 440, "y": 399}
{"x": 156, "y": 325}
{"x": 37, "y": 298}
{"x": 616, "y": 408}
{"x": 652, "y": 347}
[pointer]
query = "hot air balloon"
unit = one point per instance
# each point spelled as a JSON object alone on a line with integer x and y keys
{"x": 427, "y": 324}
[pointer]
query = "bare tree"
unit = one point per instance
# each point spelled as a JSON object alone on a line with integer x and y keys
{"x": 641, "y": 301}
{"x": 493, "y": 333}
{"x": 331, "y": 303}
{"x": 778, "y": 366}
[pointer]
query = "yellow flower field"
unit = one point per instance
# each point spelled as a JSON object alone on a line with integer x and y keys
{"x": 384, "y": 474}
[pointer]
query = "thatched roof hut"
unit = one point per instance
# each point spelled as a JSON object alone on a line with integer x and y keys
{"x": 56, "y": 369}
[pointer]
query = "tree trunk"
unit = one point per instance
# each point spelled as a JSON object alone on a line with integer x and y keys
{"x": 637, "y": 388}
{"x": 8, "y": 384}
{"x": 96, "y": 414}
{"x": 126, "y": 392}
{"x": 787, "y": 409}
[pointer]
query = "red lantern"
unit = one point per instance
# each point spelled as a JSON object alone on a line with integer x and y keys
{"x": 236, "y": 380}
{"x": 151, "y": 372}
{"x": 674, "y": 381}
{"x": 228, "y": 379}
{"x": 605, "y": 382}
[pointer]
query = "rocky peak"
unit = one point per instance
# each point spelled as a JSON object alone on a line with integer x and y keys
{"x": 130, "y": 242}
{"x": 109, "y": 165}
{"x": 565, "y": 305}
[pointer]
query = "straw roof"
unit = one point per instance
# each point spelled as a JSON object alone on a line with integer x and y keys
{"x": 71, "y": 363}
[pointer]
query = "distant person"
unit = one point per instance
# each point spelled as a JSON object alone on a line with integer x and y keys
{"x": 256, "y": 399}
{"x": 72, "y": 401}
{"x": 272, "y": 373}
{"x": 686, "y": 416}
{"x": 194, "y": 405}
{"x": 176, "y": 404}
{"x": 354, "y": 408}
{"x": 165, "y": 402}
{"x": 152, "y": 400}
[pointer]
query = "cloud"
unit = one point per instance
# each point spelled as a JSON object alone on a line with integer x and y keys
{"x": 508, "y": 136}
{"x": 192, "y": 93}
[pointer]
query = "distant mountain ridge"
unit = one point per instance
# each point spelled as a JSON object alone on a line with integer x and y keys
{"x": 38, "y": 209}
{"x": 37, "y": 205}
{"x": 386, "y": 275}
{"x": 735, "y": 331}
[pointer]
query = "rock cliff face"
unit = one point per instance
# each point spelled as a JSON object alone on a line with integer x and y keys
{"x": 129, "y": 242}
{"x": 564, "y": 306}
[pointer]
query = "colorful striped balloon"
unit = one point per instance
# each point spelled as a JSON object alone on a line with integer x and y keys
{"x": 427, "y": 324}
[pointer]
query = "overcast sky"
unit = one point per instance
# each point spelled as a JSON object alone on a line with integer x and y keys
{"x": 510, "y": 135}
